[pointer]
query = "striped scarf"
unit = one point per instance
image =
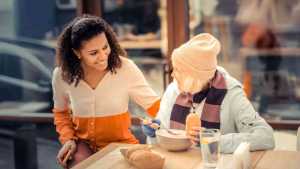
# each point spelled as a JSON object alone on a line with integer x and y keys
{"x": 210, "y": 117}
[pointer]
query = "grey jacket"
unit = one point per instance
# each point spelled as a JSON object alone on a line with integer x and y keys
{"x": 239, "y": 121}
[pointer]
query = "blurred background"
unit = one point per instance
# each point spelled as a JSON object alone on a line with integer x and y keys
{"x": 260, "y": 47}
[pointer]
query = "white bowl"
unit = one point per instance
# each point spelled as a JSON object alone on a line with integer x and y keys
{"x": 171, "y": 142}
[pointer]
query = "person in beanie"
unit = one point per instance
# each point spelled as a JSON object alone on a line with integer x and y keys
{"x": 216, "y": 96}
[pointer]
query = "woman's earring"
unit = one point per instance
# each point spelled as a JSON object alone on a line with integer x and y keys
{"x": 76, "y": 53}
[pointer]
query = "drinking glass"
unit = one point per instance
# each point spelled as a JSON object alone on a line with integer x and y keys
{"x": 210, "y": 147}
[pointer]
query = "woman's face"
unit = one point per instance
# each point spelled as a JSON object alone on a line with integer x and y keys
{"x": 94, "y": 53}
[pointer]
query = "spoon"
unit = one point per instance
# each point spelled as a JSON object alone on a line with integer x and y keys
{"x": 157, "y": 127}
{"x": 168, "y": 130}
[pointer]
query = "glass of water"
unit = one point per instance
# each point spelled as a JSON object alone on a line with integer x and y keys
{"x": 210, "y": 148}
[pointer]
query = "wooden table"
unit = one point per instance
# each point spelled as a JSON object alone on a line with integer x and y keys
{"x": 280, "y": 160}
{"x": 111, "y": 158}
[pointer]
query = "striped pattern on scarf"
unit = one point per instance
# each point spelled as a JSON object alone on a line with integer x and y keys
{"x": 210, "y": 117}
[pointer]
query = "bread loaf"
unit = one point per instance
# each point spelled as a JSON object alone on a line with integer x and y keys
{"x": 143, "y": 158}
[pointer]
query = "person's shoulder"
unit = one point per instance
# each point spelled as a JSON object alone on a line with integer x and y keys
{"x": 231, "y": 82}
{"x": 57, "y": 76}
{"x": 126, "y": 62}
{"x": 56, "y": 72}
{"x": 172, "y": 88}
{"x": 128, "y": 65}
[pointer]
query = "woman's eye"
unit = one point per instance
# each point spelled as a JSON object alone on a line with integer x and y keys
{"x": 93, "y": 53}
{"x": 105, "y": 47}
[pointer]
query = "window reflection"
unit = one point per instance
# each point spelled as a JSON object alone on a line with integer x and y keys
{"x": 133, "y": 17}
{"x": 261, "y": 47}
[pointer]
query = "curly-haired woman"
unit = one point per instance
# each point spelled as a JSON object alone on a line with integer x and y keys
{"x": 91, "y": 89}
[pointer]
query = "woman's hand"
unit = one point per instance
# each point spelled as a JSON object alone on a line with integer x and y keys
{"x": 150, "y": 126}
{"x": 194, "y": 135}
{"x": 66, "y": 152}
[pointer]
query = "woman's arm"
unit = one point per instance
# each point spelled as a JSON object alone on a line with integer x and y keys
{"x": 164, "y": 113}
{"x": 62, "y": 114}
{"x": 140, "y": 91}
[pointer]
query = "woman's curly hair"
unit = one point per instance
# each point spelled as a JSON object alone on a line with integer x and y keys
{"x": 79, "y": 30}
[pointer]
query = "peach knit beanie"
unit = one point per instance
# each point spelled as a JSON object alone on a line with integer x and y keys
{"x": 195, "y": 62}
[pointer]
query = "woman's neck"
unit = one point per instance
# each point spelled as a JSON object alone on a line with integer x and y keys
{"x": 91, "y": 72}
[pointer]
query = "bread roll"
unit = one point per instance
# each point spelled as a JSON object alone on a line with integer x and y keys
{"x": 143, "y": 158}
